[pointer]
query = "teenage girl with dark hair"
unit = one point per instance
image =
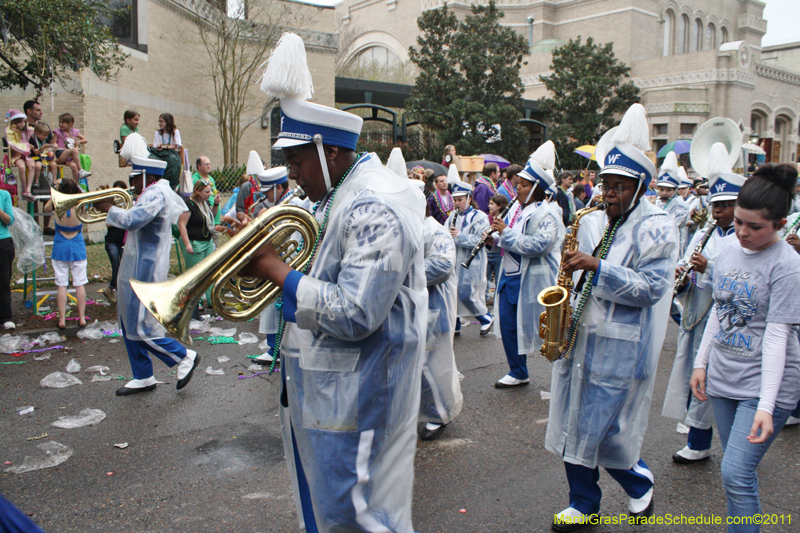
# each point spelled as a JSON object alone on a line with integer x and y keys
{"x": 167, "y": 135}
{"x": 749, "y": 360}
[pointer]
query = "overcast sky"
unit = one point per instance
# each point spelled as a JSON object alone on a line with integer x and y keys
{"x": 783, "y": 20}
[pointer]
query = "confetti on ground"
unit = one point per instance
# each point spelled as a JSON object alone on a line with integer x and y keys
{"x": 13, "y": 363}
{"x": 40, "y": 437}
{"x": 218, "y": 340}
{"x": 20, "y": 354}
{"x": 254, "y": 375}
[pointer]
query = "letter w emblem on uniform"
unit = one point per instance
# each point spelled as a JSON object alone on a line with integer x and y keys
{"x": 613, "y": 158}
{"x": 367, "y": 235}
{"x": 658, "y": 235}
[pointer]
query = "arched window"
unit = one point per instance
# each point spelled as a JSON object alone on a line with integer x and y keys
{"x": 711, "y": 37}
{"x": 669, "y": 28}
{"x": 683, "y": 35}
{"x": 697, "y": 36}
{"x": 377, "y": 54}
{"x": 724, "y": 35}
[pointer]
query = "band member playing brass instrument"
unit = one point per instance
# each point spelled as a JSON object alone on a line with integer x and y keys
{"x": 623, "y": 272}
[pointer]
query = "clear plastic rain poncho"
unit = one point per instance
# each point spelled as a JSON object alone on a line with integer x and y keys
{"x": 600, "y": 396}
{"x": 352, "y": 362}
{"x": 146, "y": 258}
{"x": 441, "y": 389}
{"x": 537, "y": 237}
{"x": 471, "y": 281}
{"x": 28, "y": 241}
{"x": 698, "y": 299}
{"x": 676, "y": 207}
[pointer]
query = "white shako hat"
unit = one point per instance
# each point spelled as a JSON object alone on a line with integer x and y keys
{"x": 288, "y": 77}
{"x": 668, "y": 175}
{"x": 536, "y": 169}
{"x": 723, "y": 184}
{"x": 461, "y": 188}
{"x": 397, "y": 163}
{"x": 452, "y": 175}
{"x": 684, "y": 177}
{"x": 621, "y": 150}
{"x": 419, "y": 184}
{"x": 272, "y": 177}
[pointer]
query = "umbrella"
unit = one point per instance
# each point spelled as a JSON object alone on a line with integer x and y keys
{"x": 502, "y": 162}
{"x": 587, "y": 151}
{"x": 753, "y": 148}
{"x": 438, "y": 169}
{"x": 679, "y": 147}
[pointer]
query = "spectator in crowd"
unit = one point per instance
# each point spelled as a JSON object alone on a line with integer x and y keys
{"x": 579, "y": 196}
{"x": 167, "y": 135}
{"x": 43, "y": 151}
{"x": 563, "y": 200}
{"x": 197, "y": 227}
{"x": 494, "y": 259}
{"x": 590, "y": 183}
{"x": 33, "y": 112}
{"x": 130, "y": 125}
{"x": 68, "y": 140}
{"x": 115, "y": 245}
{"x": 486, "y": 186}
{"x": 18, "y": 136}
{"x": 440, "y": 203}
{"x": 508, "y": 188}
{"x": 6, "y": 259}
{"x": 450, "y": 151}
{"x": 69, "y": 255}
{"x": 202, "y": 172}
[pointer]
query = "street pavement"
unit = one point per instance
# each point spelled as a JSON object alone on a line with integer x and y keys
{"x": 210, "y": 457}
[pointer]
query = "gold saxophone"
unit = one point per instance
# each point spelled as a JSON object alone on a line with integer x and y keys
{"x": 554, "y": 321}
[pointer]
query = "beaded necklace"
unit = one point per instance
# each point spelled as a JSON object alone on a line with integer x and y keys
{"x": 793, "y": 226}
{"x": 320, "y": 234}
{"x": 440, "y": 204}
{"x": 605, "y": 246}
{"x": 489, "y": 183}
{"x": 510, "y": 190}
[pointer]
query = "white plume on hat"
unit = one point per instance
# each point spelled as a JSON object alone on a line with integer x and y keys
{"x": 633, "y": 129}
{"x": 254, "y": 164}
{"x": 397, "y": 163}
{"x": 670, "y": 165}
{"x": 683, "y": 177}
{"x": 452, "y": 175}
{"x": 545, "y": 155}
{"x": 135, "y": 145}
{"x": 287, "y": 74}
{"x": 718, "y": 161}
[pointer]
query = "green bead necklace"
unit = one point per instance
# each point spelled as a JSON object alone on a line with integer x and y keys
{"x": 320, "y": 234}
{"x": 572, "y": 332}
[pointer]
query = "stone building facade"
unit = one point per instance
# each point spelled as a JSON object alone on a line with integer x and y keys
{"x": 169, "y": 73}
{"x": 691, "y": 59}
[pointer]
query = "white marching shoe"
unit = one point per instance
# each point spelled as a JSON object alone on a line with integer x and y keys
{"x": 686, "y": 455}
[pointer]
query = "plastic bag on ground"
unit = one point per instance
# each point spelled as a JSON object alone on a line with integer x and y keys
{"x": 59, "y": 380}
{"x": 14, "y": 343}
{"x": 211, "y": 372}
{"x": 87, "y": 417}
{"x": 92, "y": 331}
{"x": 24, "y": 410}
{"x": 73, "y": 367}
{"x": 100, "y": 377}
{"x": 98, "y": 369}
{"x": 200, "y": 326}
{"x": 50, "y": 336}
{"x": 247, "y": 338}
{"x": 223, "y": 359}
{"x": 53, "y": 454}
{"x": 255, "y": 367}
{"x": 28, "y": 241}
{"x": 42, "y": 357}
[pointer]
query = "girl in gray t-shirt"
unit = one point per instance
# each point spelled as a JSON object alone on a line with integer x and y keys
{"x": 749, "y": 360}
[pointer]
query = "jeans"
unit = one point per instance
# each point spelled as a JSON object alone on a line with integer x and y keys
{"x": 739, "y": 478}
{"x": 493, "y": 267}
{"x": 114, "y": 252}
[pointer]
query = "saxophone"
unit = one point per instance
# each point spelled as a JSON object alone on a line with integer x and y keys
{"x": 554, "y": 321}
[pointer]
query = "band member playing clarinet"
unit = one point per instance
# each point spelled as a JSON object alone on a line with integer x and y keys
{"x": 602, "y": 389}
{"x": 697, "y": 290}
{"x": 467, "y": 226}
{"x": 531, "y": 237}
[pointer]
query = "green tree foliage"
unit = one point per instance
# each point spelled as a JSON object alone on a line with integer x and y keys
{"x": 46, "y": 41}
{"x": 468, "y": 89}
{"x": 588, "y": 95}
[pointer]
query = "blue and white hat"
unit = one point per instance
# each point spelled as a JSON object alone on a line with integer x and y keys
{"x": 669, "y": 175}
{"x": 461, "y": 188}
{"x": 272, "y": 177}
{"x": 621, "y": 150}
{"x": 288, "y": 77}
{"x": 151, "y": 166}
{"x": 723, "y": 184}
{"x": 536, "y": 169}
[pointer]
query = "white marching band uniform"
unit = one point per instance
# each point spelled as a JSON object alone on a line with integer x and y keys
{"x": 471, "y": 224}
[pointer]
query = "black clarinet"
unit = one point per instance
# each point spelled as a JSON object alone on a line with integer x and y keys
{"x": 485, "y": 238}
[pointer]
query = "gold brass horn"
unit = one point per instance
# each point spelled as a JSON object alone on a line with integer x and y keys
{"x": 64, "y": 202}
{"x": 291, "y": 230}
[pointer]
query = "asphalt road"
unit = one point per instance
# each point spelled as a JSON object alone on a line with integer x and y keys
{"x": 210, "y": 458}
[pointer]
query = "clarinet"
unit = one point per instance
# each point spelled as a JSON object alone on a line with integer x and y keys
{"x": 485, "y": 238}
{"x": 793, "y": 229}
{"x": 697, "y": 250}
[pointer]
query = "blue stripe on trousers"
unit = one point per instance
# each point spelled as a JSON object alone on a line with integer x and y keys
{"x": 141, "y": 364}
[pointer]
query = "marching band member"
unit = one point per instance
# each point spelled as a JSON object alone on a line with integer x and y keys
{"x": 353, "y": 338}
{"x": 748, "y": 362}
{"x": 668, "y": 198}
{"x": 441, "y": 389}
{"x": 679, "y": 402}
{"x": 601, "y": 392}
{"x": 692, "y": 202}
{"x": 146, "y": 258}
{"x": 467, "y": 226}
{"x": 531, "y": 237}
